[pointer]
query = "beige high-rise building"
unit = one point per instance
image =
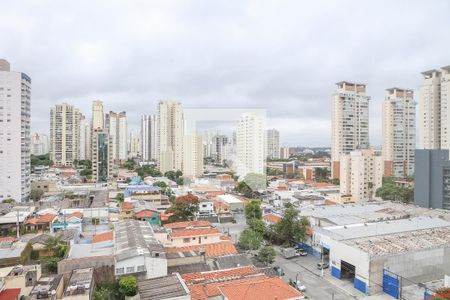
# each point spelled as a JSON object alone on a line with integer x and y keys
{"x": 193, "y": 155}
{"x": 272, "y": 144}
{"x": 39, "y": 144}
{"x": 149, "y": 138}
{"x": 398, "y": 132}
{"x": 349, "y": 121}
{"x": 285, "y": 152}
{"x": 134, "y": 145}
{"x": 250, "y": 145}
{"x": 430, "y": 110}
{"x": 98, "y": 116}
{"x": 445, "y": 108}
{"x": 116, "y": 126}
{"x": 85, "y": 149}
{"x": 361, "y": 174}
{"x": 64, "y": 134}
{"x": 15, "y": 140}
{"x": 170, "y": 136}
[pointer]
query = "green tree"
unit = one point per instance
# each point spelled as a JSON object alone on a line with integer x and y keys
{"x": 291, "y": 227}
{"x": 171, "y": 175}
{"x": 36, "y": 194}
{"x": 250, "y": 239}
{"x": 321, "y": 174}
{"x": 130, "y": 164}
{"x": 160, "y": 184}
{"x": 267, "y": 254}
{"x": 256, "y": 181}
{"x": 51, "y": 263}
{"x": 258, "y": 226}
{"x": 184, "y": 208}
{"x": 9, "y": 200}
{"x": 244, "y": 189}
{"x": 56, "y": 246}
{"x": 86, "y": 172}
{"x": 128, "y": 285}
{"x": 390, "y": 191}
{"x": 120, "y": 197}
{"x": 253, "y": 210}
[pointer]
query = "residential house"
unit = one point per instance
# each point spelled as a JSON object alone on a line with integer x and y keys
{"x": 271, "y": 219}
{"x": 40, "y": 223}
{"x": 64, "y": 221}
{"x": 192, "y": 233}
{"x": 20, "y": 277}
{"x": 50, "y": 287}
{"x": 81, "y": 285}
{"x": 170, "y": 287}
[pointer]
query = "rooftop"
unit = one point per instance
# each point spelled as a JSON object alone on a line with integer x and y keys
{"x": 80, "y": 282}
{"x": 103, "y": 237}
{"x": 160, "y": 288}
{"x": 195, "y": 232}
{"x": 272, "y": 218}
{"x": 178, "y": 225}
{"x": 78, "y": 251}
{"x": 229, "y": 199}
{"x": 220, "y": 275}
{"x": 211, "y": 250}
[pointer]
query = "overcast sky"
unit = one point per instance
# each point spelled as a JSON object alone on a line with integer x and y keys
{"x": 284, "y": 56}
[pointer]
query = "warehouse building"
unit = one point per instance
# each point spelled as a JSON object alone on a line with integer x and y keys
{"x": 388, "y": 255}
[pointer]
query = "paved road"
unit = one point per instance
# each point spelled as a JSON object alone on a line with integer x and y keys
{"x": 316, "y": 287}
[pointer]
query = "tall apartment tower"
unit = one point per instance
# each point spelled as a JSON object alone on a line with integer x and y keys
{"x": 219, "y": 148}
{"x": 445, "y": 108}
{"x": 250, "y": 145}
{"x": 64, "y": 134}
{"x": 284, "y": 152}
{"x": 39, "y": 144}
{"x": 102, "y": 161}
{"x": 149, "y": 138}
{"x": 398, "y": 132}
{"x": 15, "y": 139}
{"x": 349, "y": 121}
{"x": 134, "y": 145}
{"x": 192, "y": 155}
{"x": 273, "y": 144}
{"x": 116, "y": 126}
{"x": 98, "y": 117}
{"x": 361, "y": 174}
{"x": 430, "y": 110}
{"x": 170, "y": 136}
{"x": 85, "y": 149}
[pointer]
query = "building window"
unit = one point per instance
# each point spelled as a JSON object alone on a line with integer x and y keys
{"x": 119, "y": 271}
{"x": 130, "y": 269}
{"x": 186, "y": 240}
{"x": 140, "y": 268}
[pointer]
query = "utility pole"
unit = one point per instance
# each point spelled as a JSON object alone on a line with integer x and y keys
{"x": 17, "y": 224}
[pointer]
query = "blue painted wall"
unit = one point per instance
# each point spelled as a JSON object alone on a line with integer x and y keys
{"x": 336, "y": 272}
{"x": 360, "y": 285}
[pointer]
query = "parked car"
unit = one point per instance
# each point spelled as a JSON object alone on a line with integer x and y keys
{"x": 289, "y": 253}
{"x": 300, "y": 286}
{"x": 301, "y": 252}
{"x": 322, "y": 266}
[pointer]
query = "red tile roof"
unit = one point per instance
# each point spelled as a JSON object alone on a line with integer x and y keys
{"x": 77, "y": 214}
{"x": 265, "y": 289}
{"x": 10, "y": 294}
{"x": 194, "y": 232}
{"x": 7, "y": 239}
{"x": 212, "y": 250}
{"x": 220, "y": 275}
{"x": 146, "y": 213}
{"x": 206, "y": 291}
{"x": 43, "y": 219}
{"x": 102, "y": 237}
{"x": 188, "y": 224}
{"x": 271, "y": 218}
{"x": 127, "y": 205}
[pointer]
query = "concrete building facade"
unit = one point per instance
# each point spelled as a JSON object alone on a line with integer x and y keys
{"x": 98, "y": 117}
{"x": 170, "y": 136}
{"x": 349, "y": 121}
{"x": 134, "y": 145}
{"x": 149, "y": 138}
{"x": 116, "y": 126}
{"x": 284, "y": 152}
{"x": 64, "y": 134}
{"x": 398, "y": 132}
{"x": 432, "y": 180}
{"x": 250, "y": 145}
{"x": 85, "y": 150}
{"x": 102, "y": 161}
{"x": 193, "y": 155}
{"x": 39, "y": 144}
{"x": 15, "y": 138}
{"x": 361, "y": 174}
{"x": 272, "y": 144}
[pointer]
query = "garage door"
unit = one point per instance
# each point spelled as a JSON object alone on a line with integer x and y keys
{"x": 391, "y": 284}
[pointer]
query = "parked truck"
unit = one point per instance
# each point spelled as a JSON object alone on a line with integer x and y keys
{"x": 289, "y": 253}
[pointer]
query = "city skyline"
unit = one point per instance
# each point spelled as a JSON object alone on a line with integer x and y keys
{"x": 147, "y": 62}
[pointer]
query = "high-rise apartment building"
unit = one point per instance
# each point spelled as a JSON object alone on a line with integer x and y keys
{"x": 134, "y": 145}
{"x": 102, "y": 161}
{"x": 98, "y": 117}
{"x": 219, "y": 147}
{"x": 85, "y": 149}
{"x": 432, "y": 183}
{"x": 434, "y": 109}
{"x": 116, "y": 126}
{"x": 39, "y": 144}
{"x": 170, "y": 136}
{"x": 250, "y": 145}
{"x": 15, "y": 140}
{"x": 399, "y": 132}
{"x": 361, "y": 174}
{"x": 349, "y": 121}
{"x": 64, "y": 134}
{"x": 192, "y": 155}
{"x": 149, "y": 138}
{"x": 273, "y": 144}
{"x": 285, "y": 152}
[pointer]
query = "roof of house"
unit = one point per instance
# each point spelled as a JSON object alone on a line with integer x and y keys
{"x": 190, "y": 268}
{"x": 7, "y": 239}
{"x": 232, "y": 261}
{"x": 160, "y": 288}
{"x": 145, "y": 213}
{"x": 76, "y": 214}
{"x": 264, "y": 289}
{"x": 188, "y": 224}
{"x": 211, "y": 250}
{"x": 194, "y": 232}
{"x": 272, "y": 218}
{"x": 126, "y": 205}
{"x": 40, "y": 239}
{"x": 210, "y": 290}
{"x": 220, "y": 275}
{"x": 103, "y": 237}
{"x": 41, "y": 219}
{"x": 9, "y": 294}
